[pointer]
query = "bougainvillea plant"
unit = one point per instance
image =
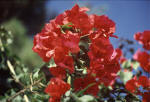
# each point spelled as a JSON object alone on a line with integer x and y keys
{"x": 141, "y": 85}
{"x": 85, "y": 61}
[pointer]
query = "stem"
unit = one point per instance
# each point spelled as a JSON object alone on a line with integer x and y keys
{"x": 75, "y": 97}
{"x": 85, "y": 35}
{"x": 23, "y": 90}
{"x": 26, "y": 98}
{"x": 11, "y": 68}
{"x": 82, "y": 91}
{"x": 1, "y": 45}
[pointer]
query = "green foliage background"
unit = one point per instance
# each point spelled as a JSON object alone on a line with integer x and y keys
{"x": 30, "y": 83}
{"x": 22, "y": 44}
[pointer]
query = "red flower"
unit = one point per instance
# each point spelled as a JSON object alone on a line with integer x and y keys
{"x": 144, "y": 82}
{"x": 112, "y": 67}
{"x": 132, "y": 85}
{"x": 101, "y": 48}
{"x": 146, "y": 97}
{"x": 79, "y": 18}
{"x": 58, "y": 72}
{"x": 108, "y": 79}
{"x": 53, "y": 27}
{"x": 96, "y": 68}
{"x": 60, "y": 53}
{"x": 104, "y": 60}
{"x": 144, "y": 39}
{"x": 45, "y": 45}
{"x": 51, "y": 99}
{"x": 81, "y": 83}
{"x": 144, "y": 59}
{"x": 122, "y": 59}
{"x": 117, "y": 54}
{"x": 65, "y": 62}
{"x": 104, "y": 73}
{"x": 57, "y": 88}
{"x": 60, "y": 38}
{"x": 41, "y": 46}
{"x": 71, "y": 41}
{"x": 102, "y": 25}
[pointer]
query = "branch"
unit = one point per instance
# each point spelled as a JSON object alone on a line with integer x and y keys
{"x": 23, "y": 90}
{"x": 11, "y": 68}
{"x": 75, "y": 97}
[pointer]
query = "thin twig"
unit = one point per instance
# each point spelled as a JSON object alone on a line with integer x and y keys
{"x": 11, "y": 68}
{"x": 75, "y": 97}
{"x": 23, "y": 90}
{"x": 26, "y": 98}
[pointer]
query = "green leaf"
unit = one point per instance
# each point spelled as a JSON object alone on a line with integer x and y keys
{"x": 87, "y": 98}
{"x": 130, "y": 64}
{"x": 125, "y": 76}
{"x": 68, "y": 93}
{"x": 126, "y": 64}
{"x": 66, "y": 99}
{"x": 51, "y": 63}
{"x": 36, "y": 74}
{"x": 67, "y": 26}
{"x": 82, "y": 91}
{"x": 135, "y": 64}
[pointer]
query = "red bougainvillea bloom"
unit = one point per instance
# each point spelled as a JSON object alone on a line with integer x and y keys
{"x": 57, "y": 88}
{"x": 81, "y": 83}
{"x": 65, "y": 62}
{"x": 101, "y": 48}
{"x": 102, "y": 25}
{"x": 59, "y": 39}
{"x": 53, "y": 27}
{"x": 104, "y": 73}
{"x": 122, "y": 59}
{"x": 77, "y": 17}
{"x": 96, "y": 68}
{"x": 144, "y": 59}
{"x": 53, "y": 99}
{"x": 144, "y": 82}
{"x": 144, "y": 39}
{"x": 71, "y": 41}
{"x": 58, "y": 72}
{"x": 104, "y": 63}
{"x": 117, "y": 54}
{"x": 62, "y": 35}
{"x": 112, "y": 68}
{"x": 146, "y": 97}
{"x": 132, "y": 85}
{"x": 39, "y": 41}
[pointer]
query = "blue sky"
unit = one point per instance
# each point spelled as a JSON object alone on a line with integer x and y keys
{"x": 130, "y": 16}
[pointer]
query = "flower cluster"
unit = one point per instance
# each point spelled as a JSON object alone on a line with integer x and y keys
{"x": 143, "y": 57}
{"x": 60, "y": 39}
{"x": 135, "y": 84}
{"x": 143, "y": 38}
{"x": 56, "y": 89}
